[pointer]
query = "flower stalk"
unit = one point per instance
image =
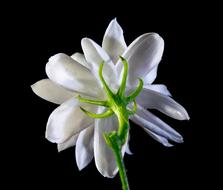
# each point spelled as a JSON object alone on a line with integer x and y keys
{"x": 113, "y": 141}
{"x": 117, "y": 104}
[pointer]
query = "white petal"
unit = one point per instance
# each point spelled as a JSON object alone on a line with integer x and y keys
{"x": 64, "y": 70}
{"x": 94, "y": 55}
{"x": 143, "y": 122}
{"x": 52, "y": 92}
{"x": 68, "y": 120}
{"x": 158, "y": 138}
{"x": 79, "y": 57}
{"x": 150, "y": 76}
{"x": 104, "y": 157}
{"x": 113, "y": 41}
{"x": 147, "y": 115}
{"x": 143, "y": 55}
{"x": 128, "y": 151}
{"x": 67, "y": 144}
{"x": 84, "y": 147}
{"x": 158, "y": 88}
{"x": 154, "y": 100}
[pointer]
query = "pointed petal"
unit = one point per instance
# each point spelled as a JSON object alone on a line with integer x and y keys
{"x": 128, "y": 151}
{"x": 67, "y": 120}
{"x": 143, "y": 122}
{"x": 147, "y": 115}
{"x": 113, "y": 41}
{"x": 84, "y": 147}
{"x": 65, "y": 71}
{"x": 94, "y": 55}
{"x": 67, "y": 144}
{"x": 52, "y": 92}
{"x": 104, "y": 157}
{"x": 158, "y": 88}
{"x": 158, "y": 138}
{"x": 154, "y": 100}
{"x": 79, "y": 57}
{"x": 143, "y": 55}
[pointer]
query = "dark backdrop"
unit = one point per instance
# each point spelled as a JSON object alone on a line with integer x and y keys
{"x": 40, "y": 31}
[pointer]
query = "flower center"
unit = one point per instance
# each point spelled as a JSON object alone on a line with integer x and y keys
{"x": 116, "y": 103}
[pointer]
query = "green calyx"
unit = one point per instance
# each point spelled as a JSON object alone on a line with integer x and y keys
{"x": 116, "y": 103}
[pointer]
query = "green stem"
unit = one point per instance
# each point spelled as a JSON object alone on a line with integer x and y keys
{"x": 114, "y": 142}
{"x": 121, "y": 167}
{"x": 123, "y": 122}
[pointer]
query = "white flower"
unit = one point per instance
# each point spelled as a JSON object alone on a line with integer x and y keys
{"x": 78, "y": 75}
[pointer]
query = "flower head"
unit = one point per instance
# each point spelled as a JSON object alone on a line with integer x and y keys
{"x": 74, "y": 82}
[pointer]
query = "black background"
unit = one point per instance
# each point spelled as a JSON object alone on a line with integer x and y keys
{"x": 38, "y": 31}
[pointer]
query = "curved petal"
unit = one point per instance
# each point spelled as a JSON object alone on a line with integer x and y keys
{"x": 143, "y": 55}
{"x": 158, "y": 88}
{"x": 113, "y": 41}
{"x": 150, "y": 76}
{"x": 79, "y": 57}
{"x": 67, "y": 120}
{"x": 158, "y": 122}
{"x": 84, "y": 147}
{"x": 158, "y": 138}
{"x": 94, "y": 55}
{"x": 143, "y": 122}
{"x": 104, "y": 157}
{"x": 67, "y": 144}
{"x": 63, "y": 70}
{"x": 51, "y": 91}
{"x": 128, "y": 151}
{"x": 154, "y": 100}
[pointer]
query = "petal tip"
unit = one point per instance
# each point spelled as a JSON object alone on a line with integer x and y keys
{"x": 80, "y": 167}
{"x": 168, "y": 145}
{"x": 185, "y": 116}
{"x": 56, "y": 57}
{"x": 178, "y": 139}
{"x": 84, "y": 40}
{"x": 108, "y": 176}
{"x": 47, "y": 136}
{"x": 59, "y": 148}
{"x": 115, "y": 22}
{"x": 36, "y": 88}
{"x": 33, "y": 87}
{"x": 155, "y": 35}
{"x": 80, "y": 164}
{"x": 181, "y": 140}
{"x": 157, "y": 38}
{"x": 50, "y": 138}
